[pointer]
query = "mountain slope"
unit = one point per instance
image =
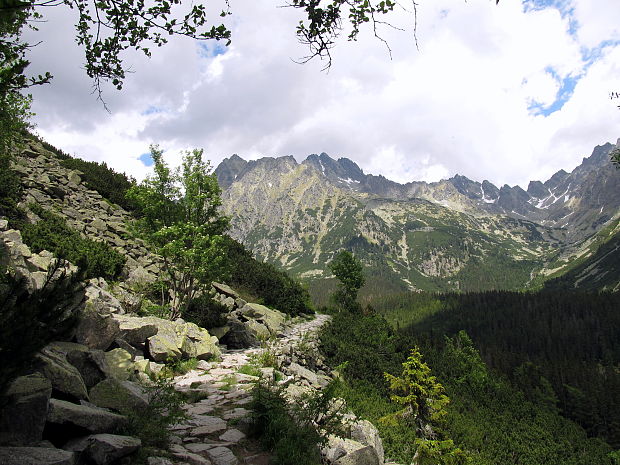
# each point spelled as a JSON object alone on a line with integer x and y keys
{"x": 455, "y": 234}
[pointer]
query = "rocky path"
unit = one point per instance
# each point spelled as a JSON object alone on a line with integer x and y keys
{"x": 215, "y": 432}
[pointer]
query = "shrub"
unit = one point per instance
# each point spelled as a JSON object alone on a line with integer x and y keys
{"x": 96, "y": 259}
{"x": 293, "y": 432}
{"x": 205, "y": 312}
{"x": 30, "y": 321}
{"x": 151, "y": 424}
{"x": 274, "y": 287}
{"x": 10, "y": 191}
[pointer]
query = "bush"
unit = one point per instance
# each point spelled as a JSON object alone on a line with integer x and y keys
{"x": 30, "y": 321}
{"x": 95, "y": 259}
{"x": 293, "y": 433}
{"x": 205, "y": 312}
{"x": 275, "y": 288}
{"x": 10, "y": 191}
{"x": 151, "y": 424}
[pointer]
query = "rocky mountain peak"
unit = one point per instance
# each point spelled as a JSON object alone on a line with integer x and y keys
{"x": 228, "y": 170}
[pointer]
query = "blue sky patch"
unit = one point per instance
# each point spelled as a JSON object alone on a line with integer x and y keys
{"x": 567, "y": 87}
{"x": 151, "y": 110}
{"x": 211, "y": 49}
{"x": 146, "y": 159}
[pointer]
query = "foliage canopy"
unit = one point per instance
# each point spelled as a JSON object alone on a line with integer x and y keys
{"x": 179, "y": 217}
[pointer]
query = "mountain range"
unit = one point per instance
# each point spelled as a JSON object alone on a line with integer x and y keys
{"x": 455, "y": 234}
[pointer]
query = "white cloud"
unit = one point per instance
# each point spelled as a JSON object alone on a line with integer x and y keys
{"x": 459, "y": 104}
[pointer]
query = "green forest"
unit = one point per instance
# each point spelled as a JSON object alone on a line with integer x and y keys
{"x": 531, "y": 378}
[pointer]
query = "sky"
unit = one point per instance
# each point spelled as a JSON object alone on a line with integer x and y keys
{"x": 509, "y": 93}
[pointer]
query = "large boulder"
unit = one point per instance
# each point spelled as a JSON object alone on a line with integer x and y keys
{"x": 66, "y": 380}
{"x": 366, "y": 433}
{"x": 96, "y": 328}
{"x": 35, "y": 456}
{"x": 104, "y": 449}
{"x": 82, "y": 417}
{"x": 135, "y": 330}
{"x": 339, "y": 451}
{"x": 22, "y": 419}
{"x": 119, "y": 364}
{"x": 177, "y": 339}
{"x": 118, "y": 395}
{"x": 272, "y": 319}
{"x": 199, "y": 343}
{"x": 91, "y": 363}
{"x": 226, "y": 290}
{"x": 251, "y": 324}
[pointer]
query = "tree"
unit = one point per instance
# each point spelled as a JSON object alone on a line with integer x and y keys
{"x": 349, "y": 271}
{"x": 179, "y": 217}
{"x": 418, "y": 392}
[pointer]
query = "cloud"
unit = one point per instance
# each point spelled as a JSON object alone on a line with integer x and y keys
{"x": 507, "y": 93}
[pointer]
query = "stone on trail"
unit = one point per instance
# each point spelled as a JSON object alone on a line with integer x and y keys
{"x": 232, "y": 435}
{"x": 222, "y": 456}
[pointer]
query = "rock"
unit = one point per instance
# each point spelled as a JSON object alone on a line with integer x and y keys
{"x": 303, "y": 373}
{"x": 220, "y": 331}
{"x": 222, "y": 456}
{"x": 92, "y": 420}
{"x": 191, "y": 458}
{"x": 273, "y": 319}
{"x": 96, "y": 329}
{"x": 74, "y": 177}
{"x": 339, "y": 451}
{"x": 258, "y": 330}
{"x": 236, "y": 414}
{"x": 65, "y": 378}
{"x": 99, "y": 224}
{"x": 135, "y": 330}
{"x": 158, "y": 461}
{"x": 22, "y": 419}
{"x": 229, "y": 303}
{"x": 121, "y": 396}
{"x": 91, "y": 363}
{"x": 199, "y": 343}
{"x": 226, "y": 290}
{"x": 35, "y": 456}
{"x": 208, "y": 425}
{"x": 104, "y": 449}
{"x": 120, "y": 364}
{"x": 366, "y": 433}
{"x": 232, "y": 435}
{"x": 177, "y": 339}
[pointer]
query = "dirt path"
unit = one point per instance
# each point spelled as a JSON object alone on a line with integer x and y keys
{"x": 215, "y": 432}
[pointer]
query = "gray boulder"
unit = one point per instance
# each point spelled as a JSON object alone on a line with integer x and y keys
{"x": 93, "y": 420}
{"x": 339, "y": 451}
{"x": 22, "y": 419}
{"x": 226, "y": 290}
{"x": 35, "y": 456}
{"x": 119, "y": 364}
{"x": 119, "y": 395}
{"x": 65, "y": 378}
{"x": 96, "y": 328}
{"x": 104, "y": 449}
{"x": 366, "y": 433}
{"x": 176, "y": 339}
{"x": 135, "y": 330}
{"x": 90, "y": 363}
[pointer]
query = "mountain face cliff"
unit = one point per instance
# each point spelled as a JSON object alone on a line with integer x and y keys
{"x": 446, "y": 235}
